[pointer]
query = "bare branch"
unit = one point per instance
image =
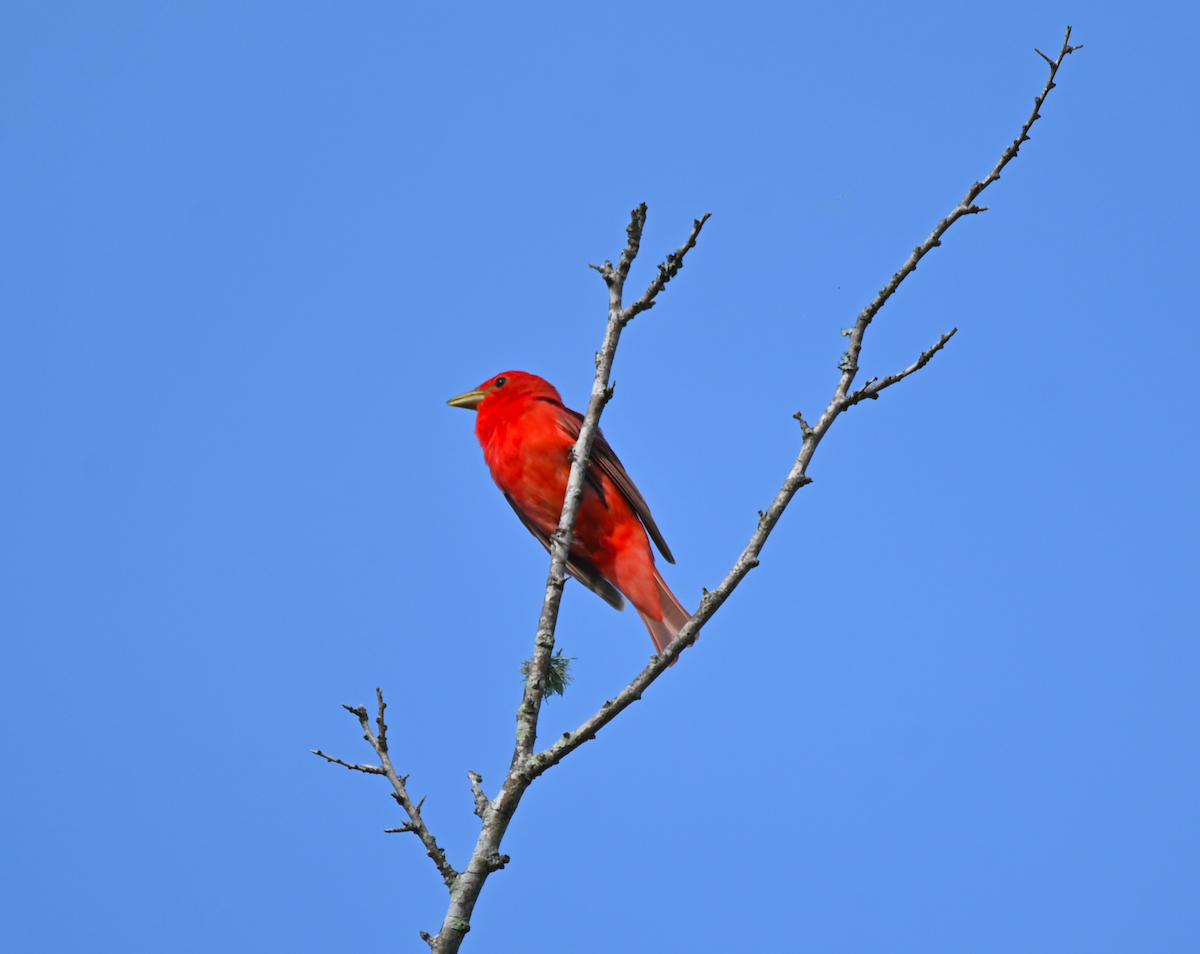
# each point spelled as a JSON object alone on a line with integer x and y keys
{"x": 526, "y": 765}
{"x": 602, "y": 392}
{"x": 416, "y": 823}
{"x": 369, "y": 769}
{"x": 797, "y": 478}
{"x": 871, "y": 389}
{"x": 849, "y": 362}
{"x": 482, "y": 805}
{"x": 666, "y": 271}
{"x": 496, "y": 814}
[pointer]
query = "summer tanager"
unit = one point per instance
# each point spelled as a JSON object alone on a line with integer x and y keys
{"x": 527, "y": 434}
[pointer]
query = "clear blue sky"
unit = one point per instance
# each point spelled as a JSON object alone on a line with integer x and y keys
{"x": 249, "y": 249}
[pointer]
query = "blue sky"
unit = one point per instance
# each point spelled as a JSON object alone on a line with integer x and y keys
{"x": 250, "y": 249}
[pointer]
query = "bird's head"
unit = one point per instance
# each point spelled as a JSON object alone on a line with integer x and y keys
{"x": 505, "y": 387}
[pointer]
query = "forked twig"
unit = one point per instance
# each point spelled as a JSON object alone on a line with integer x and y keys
{"x": 415, "y": 824}
{"x": 870, "y": 390}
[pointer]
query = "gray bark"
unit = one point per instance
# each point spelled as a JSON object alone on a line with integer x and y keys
{"x": 527, "y": 763}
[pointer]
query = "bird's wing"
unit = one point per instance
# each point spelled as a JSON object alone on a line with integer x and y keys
{"x": 579, "y": 567}
{"x": 607, "y": 462}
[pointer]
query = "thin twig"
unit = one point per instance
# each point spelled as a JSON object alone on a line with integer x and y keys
{"x": 369, "y": 769}
{"x": 870, "y": 390}
{"x": 849, "y": 362}
{"x": 666, "y": 271}
{"x": 415, "y": 824}
{"x": 482, "y": 805}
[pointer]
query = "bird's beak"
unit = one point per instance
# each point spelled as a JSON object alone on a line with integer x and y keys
{"x": 471, "y": 400}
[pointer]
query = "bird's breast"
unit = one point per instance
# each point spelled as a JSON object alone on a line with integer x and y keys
{"x": 530, "y": 462}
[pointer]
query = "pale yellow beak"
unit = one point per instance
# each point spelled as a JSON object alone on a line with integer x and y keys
{"x": 471, "y": 400}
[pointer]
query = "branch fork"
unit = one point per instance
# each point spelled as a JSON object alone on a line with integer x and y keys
{"x": 527, "y": 764}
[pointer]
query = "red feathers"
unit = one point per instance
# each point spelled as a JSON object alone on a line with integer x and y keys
{"x": 526, "y": 433}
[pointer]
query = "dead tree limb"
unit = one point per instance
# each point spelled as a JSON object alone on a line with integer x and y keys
{"x": 527, "y": 763}
{"x": 415, "y": 824}
{"x": 811, "y": 437}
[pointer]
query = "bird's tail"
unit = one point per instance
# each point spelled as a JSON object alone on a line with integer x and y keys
{"x": 674, "y": 616}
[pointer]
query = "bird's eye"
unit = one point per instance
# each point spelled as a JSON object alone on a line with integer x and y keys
{"x": 501, "y": 381}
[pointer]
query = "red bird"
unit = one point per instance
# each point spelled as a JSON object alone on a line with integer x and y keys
{"x": 527, "y": 433}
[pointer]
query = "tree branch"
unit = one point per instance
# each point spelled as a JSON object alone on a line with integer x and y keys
{"x": 496, "y": 814}
{"x": 527, "y": 765}
{"x": 871, "y": 389}
{"x": 666, "y": 271}
{"x": 797, "y": 476}
{"x": 482, "y": 805}
{"x": 618, "y": 317}
{"x": 849, "y": 362}
{"x": 369, "y": 769}
{"x": 415, "y": 824}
